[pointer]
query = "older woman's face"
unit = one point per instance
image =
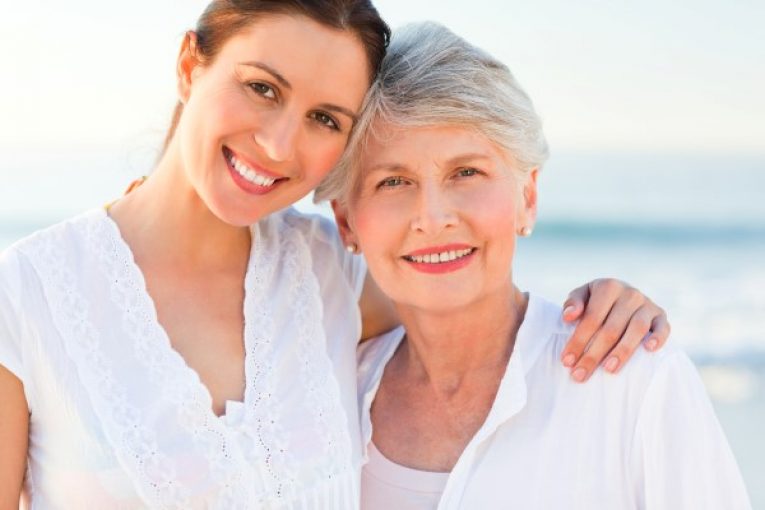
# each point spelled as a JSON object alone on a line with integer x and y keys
{"x": 436, "y": 215}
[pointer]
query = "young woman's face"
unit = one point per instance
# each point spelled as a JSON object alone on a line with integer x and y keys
{"x": 436, "y": 215}
{"x": 267, "y": 119}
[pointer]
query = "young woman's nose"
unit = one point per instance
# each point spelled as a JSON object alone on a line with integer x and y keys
{"x": 277, "y": 136}
{"x": 434, "y": 211}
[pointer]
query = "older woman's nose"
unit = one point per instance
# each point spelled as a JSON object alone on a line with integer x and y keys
{"x": 434, "y": 212}
{"x": 277, "y": 136}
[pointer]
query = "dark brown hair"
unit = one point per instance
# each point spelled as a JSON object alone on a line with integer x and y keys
{"x": 223, "y": 19}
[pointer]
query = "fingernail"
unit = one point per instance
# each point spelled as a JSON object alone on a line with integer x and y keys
{"x": 579, "y": 374}
{"x": 569, "y": 360}
{"x": 612, "y": 364}
{"x": 652, "y": 344}
{"x": 568, "y": 310}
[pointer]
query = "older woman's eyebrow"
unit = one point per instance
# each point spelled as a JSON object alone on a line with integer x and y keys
{"x": 464, "y": 159}
{"x": 384, "y": 167}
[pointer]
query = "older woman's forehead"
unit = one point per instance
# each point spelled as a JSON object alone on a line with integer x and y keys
{"x": 396, "y": 143}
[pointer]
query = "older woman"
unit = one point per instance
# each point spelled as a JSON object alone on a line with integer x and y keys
{"x": 465, "y": 405}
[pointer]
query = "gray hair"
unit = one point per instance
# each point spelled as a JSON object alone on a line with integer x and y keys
{"x": 432, "y": 77}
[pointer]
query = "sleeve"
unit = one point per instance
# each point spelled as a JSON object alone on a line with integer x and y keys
{"x": 680, "y": 450}
{"x": 11, "y": 354}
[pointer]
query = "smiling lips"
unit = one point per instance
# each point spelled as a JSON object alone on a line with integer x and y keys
{"x": 252, "y": 181}
{"x": 440, "y": 259}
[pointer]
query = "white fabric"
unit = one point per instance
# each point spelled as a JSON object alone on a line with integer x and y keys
{"x": 644, "y": 439}
{"x": 118, "y": 420}
{"x": 386, "y": 485}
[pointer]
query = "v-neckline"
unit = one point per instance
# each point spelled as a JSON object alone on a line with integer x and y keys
{"x": 136, "y": 274}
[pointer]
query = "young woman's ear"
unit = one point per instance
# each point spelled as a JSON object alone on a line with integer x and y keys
{"x": 188, "y": 62}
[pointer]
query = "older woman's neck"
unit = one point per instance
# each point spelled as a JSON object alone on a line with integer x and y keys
{"x": 446, "y": 347}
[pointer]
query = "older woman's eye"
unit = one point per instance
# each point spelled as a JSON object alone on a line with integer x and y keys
{"x": 263, "y": 89}
{"x": 467, "y": 172}
{"x": 391, "y": 182}
{"x": 326, "y": 120}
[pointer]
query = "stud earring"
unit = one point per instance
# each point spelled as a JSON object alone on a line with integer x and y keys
{"x": 525, "y": 231}
{"x": 352, "y": 248}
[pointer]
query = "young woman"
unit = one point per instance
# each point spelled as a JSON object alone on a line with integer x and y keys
{"x": 465, "y": 405}
{"x": 193, "y": 346}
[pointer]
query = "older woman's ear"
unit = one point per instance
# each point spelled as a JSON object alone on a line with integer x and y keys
{"x": 528, "y": 206}
{"x": 344, "y": 226}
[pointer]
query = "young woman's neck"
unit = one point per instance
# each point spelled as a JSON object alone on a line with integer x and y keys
{"x": 446, "y": 348}
{"x": 165, "y": 220}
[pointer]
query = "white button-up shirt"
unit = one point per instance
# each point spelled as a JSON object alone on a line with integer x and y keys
{"x": 644, "y": 439}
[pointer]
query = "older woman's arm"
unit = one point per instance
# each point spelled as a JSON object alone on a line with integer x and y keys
{"x": 614, "y": 319}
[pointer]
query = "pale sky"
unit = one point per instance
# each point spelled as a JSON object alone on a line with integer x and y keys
{"x": 683, "y": 76}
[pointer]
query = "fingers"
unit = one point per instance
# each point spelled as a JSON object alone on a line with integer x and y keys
{"x": 611, "y": 332}
{"x": 603, "y": 295}
{"x": 575, "y": 303}
{"x": 660, "y": 330}
{"x": 633, "y": 319}
{"x": 639, "y": 328}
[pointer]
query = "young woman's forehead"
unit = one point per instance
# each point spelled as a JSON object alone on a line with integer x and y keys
{"x": 305, "y": 53}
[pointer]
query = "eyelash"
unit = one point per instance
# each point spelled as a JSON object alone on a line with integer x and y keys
{"x": 258, "y": 87}
{"x": 390, "y": 182}
{"x": 326, "y": 120}
{"x": 473, "y": 171}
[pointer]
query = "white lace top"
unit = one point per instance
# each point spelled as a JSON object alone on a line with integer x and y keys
{"x": 118, "y": 420}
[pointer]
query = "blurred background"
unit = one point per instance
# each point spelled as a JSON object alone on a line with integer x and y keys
{"x": 654, "y": 112}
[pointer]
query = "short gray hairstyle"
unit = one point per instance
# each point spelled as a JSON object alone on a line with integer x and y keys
{"x": 432, "y": 77}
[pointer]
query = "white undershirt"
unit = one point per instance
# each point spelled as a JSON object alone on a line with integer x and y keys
{"x": 386, "y": 485}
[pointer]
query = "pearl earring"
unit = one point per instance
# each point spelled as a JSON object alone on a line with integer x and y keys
{"x": 525, "y": 232}
{"x": 352, "y": 248}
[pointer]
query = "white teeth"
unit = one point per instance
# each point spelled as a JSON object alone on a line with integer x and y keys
{"x": 436, "y": 258}
{"x": 250, "y": 174}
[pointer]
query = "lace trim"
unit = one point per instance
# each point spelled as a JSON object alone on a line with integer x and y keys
{"x": 323, "y": 391}
{"x": 151, "y": 471}
{"x": 261, "y": 408}
{"x": 177, "y": 382}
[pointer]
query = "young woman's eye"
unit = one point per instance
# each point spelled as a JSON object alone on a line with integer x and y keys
{"x": 325, "y": 120}
{"x": 391, "y": 182}
{"x": 263, "y": 89}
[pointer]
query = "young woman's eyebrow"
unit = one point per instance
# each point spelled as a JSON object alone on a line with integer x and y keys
{"x": 339, "y": 109}
{"x": 270, "y": 70}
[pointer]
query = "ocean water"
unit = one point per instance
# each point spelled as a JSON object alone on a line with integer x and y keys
{"x": 688, "y": 230}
